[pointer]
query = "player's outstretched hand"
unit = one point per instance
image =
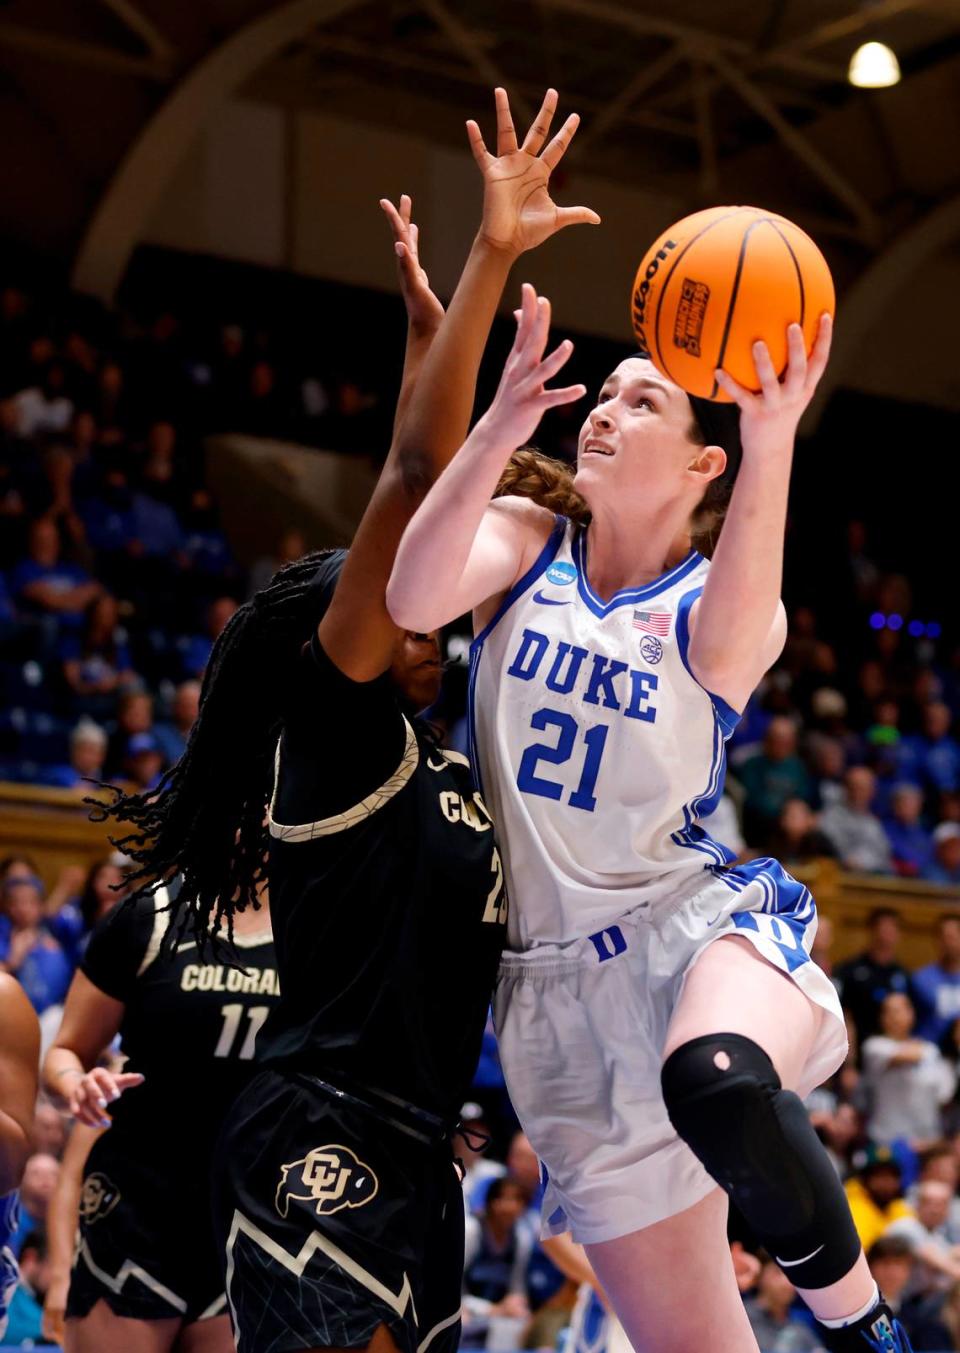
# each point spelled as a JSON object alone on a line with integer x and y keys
{"x": 92, "y": 1093}
{"x": 518, "y": 211}
{"x": 522, "y": 397}
{"x": 768, "y": 420}
{"x": 424, "y": 310}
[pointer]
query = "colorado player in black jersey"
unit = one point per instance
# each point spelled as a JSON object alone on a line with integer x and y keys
{"x": 147, "y": 1274}
{"x": 340, "y": 1209}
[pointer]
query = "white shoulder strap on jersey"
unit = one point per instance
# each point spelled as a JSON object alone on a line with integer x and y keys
{"x": 328, "y": 826}
{"x": 161, "y": 920}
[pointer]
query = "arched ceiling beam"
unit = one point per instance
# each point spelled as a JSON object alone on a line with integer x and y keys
{"x": 150, "y": 163}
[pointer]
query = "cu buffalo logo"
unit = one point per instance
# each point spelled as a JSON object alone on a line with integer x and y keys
{"x": 331, "y": 1177}
{"x": 98, "y": 1197}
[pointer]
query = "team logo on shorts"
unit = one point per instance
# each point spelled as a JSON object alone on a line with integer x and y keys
{"x": 561, "y": 573}
{"x": 651, "y": 649}
{"x": 98, "y": 1198}
{"x": 332, "y": 1177}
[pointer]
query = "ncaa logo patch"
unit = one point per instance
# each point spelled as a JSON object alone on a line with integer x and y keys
{"x": 561, "y": 574}
{"x": 651, "y": 649}
{"x": 331, "y": 1177}
{"x": 98, "y": 1197}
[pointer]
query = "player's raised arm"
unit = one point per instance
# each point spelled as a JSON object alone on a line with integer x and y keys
{"x": 518, "y": 214}
{"x": 460, "y": 549}
{"x": 424, "y": 309}
{"x": 738, "y": 626}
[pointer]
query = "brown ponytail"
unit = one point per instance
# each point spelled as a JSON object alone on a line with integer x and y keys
{"x": 714, "y": 425}
{"x": 531, "y": 474}
{"x": 707, "y": 520}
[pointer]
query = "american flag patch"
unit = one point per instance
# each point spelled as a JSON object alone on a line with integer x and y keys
{"x": 653, "y": 622}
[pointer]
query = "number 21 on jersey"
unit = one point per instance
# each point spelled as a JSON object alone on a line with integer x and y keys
{"x": 530, "y": 781}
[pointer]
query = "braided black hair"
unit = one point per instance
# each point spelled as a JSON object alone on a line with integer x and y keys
{"x": 204, "y": 821}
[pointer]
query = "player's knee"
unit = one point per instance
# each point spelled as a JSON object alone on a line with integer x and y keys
{"x": 726, "y": 1101}
{"x": 721, "y": 1095}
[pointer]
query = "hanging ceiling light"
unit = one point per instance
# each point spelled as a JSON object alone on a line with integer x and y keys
{"x": 874, "y": 65}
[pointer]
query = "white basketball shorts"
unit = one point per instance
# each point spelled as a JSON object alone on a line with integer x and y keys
{"x": 582, "y": 1027}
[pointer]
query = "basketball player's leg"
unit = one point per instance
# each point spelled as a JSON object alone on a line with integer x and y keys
{"x": 732, "y": 990}
{"x": 655, "y": 1279}
{"x": 206, "y": 1336}
{"x": 382, "y": 1342}
{"x": 102, "y": 1331}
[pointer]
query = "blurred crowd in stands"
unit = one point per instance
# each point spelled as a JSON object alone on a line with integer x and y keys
{"x": 115, "y": 580}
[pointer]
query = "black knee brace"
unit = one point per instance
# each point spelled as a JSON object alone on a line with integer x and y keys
{"x": 726, "y": 1101}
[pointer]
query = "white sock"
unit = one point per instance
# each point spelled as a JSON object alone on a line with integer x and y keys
{"x": 857, "y": 1315}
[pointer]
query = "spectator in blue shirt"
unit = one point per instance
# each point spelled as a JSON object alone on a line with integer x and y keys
{"x": 945, "y": 867}
{"x": 156, "y": 528}
{"x": 88, "y": 753}
{"x": 72, "y": 923}
{"x": 934, "y": 756}
{"x": 208, "y": 554}
{"x": 134, "y": 715}
{"x": 27, "y": 948}
{"x": 173, "y": 734}
{"x": 49, "y": 585}
{"x": 24, "y": 1327}
{"x": 108, "y": 514}
{"x": 937, "y": 986}
{"x": 197, "y": 648}
{"x": 143, "y": 762}
{"x": 40, "y": 1175}
{"x": 97, "y": 660}
{"x": 497, "y": 1253}
{"x": 911, "y": 847}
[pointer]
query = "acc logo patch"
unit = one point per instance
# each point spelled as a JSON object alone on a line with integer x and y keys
{"x": 561, "y": 573}
{"x": 651, "y": 649}
{"x": 98, "y": 1198}
{"x": 332, "y": 1177}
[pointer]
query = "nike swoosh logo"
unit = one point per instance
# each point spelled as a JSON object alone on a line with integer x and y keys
{"x": 548, "y": 601}
{"x": 792, "y": 1263}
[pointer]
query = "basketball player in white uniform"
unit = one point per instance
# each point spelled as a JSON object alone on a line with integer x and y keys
{"x": 659, "y": 1014}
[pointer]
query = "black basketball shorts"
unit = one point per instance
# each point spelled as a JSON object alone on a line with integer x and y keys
{"x": 335, "y": 1219}
{"x": 146, "y": 1241}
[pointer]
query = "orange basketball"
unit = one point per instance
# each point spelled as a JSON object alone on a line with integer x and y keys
{"x": 719, "y": 280}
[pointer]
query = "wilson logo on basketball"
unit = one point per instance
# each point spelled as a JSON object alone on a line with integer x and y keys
{"x": 330, "y": 1177}
{"x": 691, "y": 309}
{"x": 641, "y": 291}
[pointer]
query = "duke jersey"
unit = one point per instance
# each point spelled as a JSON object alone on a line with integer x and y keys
{"x": 190, "y": 1025}
{"x": 595, "y": 747}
